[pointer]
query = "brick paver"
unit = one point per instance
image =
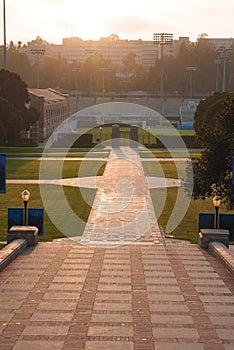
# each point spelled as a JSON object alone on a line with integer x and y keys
{"x": 119, "y": 298}
{"x": 122, "y": 211}
{"x": 147, "y": 295}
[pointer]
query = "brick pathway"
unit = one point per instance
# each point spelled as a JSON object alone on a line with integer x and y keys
{"x": 122, "y": 211}
{"x": 147, "y": 295}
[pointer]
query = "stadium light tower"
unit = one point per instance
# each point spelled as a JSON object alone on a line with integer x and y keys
{"x": 162, "y": 39}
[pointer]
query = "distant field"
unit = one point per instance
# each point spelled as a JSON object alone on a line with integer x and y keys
{"x": 145, "y": 136}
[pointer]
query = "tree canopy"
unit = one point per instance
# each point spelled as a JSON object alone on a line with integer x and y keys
{"x": 14, "y": 115}
{"x": 13, "y": 89}
{"x": 214, "y": 128}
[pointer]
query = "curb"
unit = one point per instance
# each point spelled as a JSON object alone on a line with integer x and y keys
{"x": 11, "y": 251}
{"x": 221, "y": 252}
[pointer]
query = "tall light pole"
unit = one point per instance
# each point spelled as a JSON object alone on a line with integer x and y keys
{"x": 217, "y": 78}
{"x": 103, "y": 81}
{"x": 224, "y": 51}
{"x": 38, "y": 52}
{"x": 162, "y": 39}
{"x": 91, "y": 53}
{"x": 4, "y": 34}
{"x": 76, "y": 70}
{"x": 190, "y": 70}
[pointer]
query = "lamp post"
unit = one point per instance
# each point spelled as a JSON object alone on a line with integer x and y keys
{"x": 162, "y": 39}
{"x": 224, "y": 51}
{"x": 217, "y": 78}
{"x": 25, "y": 195}
{"x": 100, "y": 133}
{"x": 216, "y": 202}
{"x": 38, "y": 52}
{"x": 190, "y": 70}
{"x": 148, "y": 136}
{"x": 76, "y": 70}
{"x": 91, "y": 53}
{"x": 4, "y": 34}
{"x": 103, "y": 81}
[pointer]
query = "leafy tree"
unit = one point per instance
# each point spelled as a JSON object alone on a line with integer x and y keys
{"x": 14, "y": 115}
{"x": 10, "y": 122}
{"x": 129, "y": 62}
{"x": 13, "y": 89}
{"x": 214, "y": 128}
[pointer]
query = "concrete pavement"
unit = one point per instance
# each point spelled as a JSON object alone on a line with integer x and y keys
{"x": 63, "y": 295}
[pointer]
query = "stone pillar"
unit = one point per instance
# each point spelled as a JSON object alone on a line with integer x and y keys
{"x": 134, "y": 136}
{"x": 213, "y": 235}
{"x": 115, "y": 135}
{"x": 29, "y": 233}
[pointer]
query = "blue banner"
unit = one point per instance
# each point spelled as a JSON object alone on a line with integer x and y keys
{"x": 2, "y": 173}
{"x": 36, "y": 218}
{"x": 15, "y": 217}
{"x": 226, "y": 221}
{"x": 206, "y": 220}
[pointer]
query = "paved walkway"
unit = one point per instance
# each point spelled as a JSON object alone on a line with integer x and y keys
{"x": 152, "y": 294}
{"x": 122, "y": 211}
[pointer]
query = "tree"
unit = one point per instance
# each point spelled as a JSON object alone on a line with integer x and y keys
{"x": 14, "y": 115}
{"x": 10, "y": 122}
{"x": 214, "y": 128}
{"x": 13, "y": 89}
{"x": 129, "y": 62}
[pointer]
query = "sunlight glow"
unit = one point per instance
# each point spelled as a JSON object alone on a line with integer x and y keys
{"x": 54, "y": 20}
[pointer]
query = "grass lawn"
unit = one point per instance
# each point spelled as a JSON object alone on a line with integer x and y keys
{"x": 166, "y": 154}
{"x": 2, "y": 246}
{"x": 12, "y": 199}
{"x": 29, "y": 169}
{"x": 188, "y": 228}
{"x": 79, "y": 200}
{"x": 167, "y": 169}
{"x": 29, "y": 152}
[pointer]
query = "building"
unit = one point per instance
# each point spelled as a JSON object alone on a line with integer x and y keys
{"x": 111, "y": 48}
{"x": 53, "y": 107}
{"x": 218, "y": 43}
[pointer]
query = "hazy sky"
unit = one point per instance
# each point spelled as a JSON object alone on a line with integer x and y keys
{"x": 132, "y": 19}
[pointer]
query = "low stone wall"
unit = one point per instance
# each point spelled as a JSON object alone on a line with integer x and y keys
{"x": 213, "y": 235}
{"x": 221, "y": 252}
{"x": 30, "y": 233}
{"x": 11, "y": 251}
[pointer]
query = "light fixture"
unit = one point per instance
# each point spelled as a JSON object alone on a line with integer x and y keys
{"x": 25, "y": 195}
{"x": 216, "y": 202}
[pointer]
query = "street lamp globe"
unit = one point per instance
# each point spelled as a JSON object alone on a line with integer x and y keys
{"x": 25, "y": 195}
{"x": 216, "y": 201}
